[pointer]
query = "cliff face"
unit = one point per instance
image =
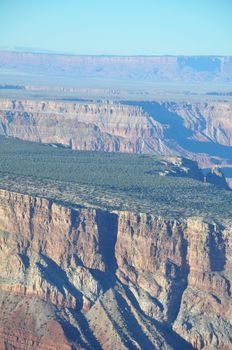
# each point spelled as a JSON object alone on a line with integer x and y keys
{"x": 209, "y": 121}
{"x": 201, "y": 131}
{"x": 179, "y": 274}
{"x": 99, "y": 127}
{"x": 90, "y": 279}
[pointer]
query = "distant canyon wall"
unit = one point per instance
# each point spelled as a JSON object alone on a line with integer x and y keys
{"x": 147, "y": 68}
{"x": 99, "y": 127}
{"x": 209, "y": 122}
{"x": 201, "y": 131}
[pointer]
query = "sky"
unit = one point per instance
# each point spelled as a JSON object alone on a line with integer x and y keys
{"x": 117, "y": 27}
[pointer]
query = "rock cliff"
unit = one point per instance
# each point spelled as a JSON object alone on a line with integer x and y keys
{"x": 209, "y": 121}
{"x": 200, "y": 131}
{"x": 101, "y": 127}
{"x": 92, "y": 279}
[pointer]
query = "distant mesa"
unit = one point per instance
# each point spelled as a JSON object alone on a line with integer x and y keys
{"x": 147, "y": 68}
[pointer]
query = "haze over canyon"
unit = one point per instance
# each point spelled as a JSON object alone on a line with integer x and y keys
{"x": 115, "y": 202}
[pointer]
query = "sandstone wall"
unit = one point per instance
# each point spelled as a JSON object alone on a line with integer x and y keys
{"x": 176, "y": 274}
{"x": 201, "y": 131}
{"x": 99, "y": 127}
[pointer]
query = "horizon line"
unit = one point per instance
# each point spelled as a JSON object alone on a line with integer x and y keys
{"x": 44, "y": 52}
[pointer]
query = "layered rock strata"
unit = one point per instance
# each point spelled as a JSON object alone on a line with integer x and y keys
{"x": 92, "y": 279}
{"x": 209, "y": 121}
{"x": 200, "y": 131}
{"x": 98, "y": 127}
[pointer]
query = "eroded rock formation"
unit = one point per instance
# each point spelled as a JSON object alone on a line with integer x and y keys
{"x": 98, "y": 127}
{"x": 209, "y": 121}
{"x": 216, "y": 177}
{"x": 200, "y": 131}
{"x": 92, "y": 279}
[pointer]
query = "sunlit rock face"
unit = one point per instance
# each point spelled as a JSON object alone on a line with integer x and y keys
{"x": 200, "y": 131}
{"x": 92, "y": 279}
{"x": 98, "y": 127}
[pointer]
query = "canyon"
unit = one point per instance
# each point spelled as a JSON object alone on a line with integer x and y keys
{"x": 147, "y": 266}
{"x": 128, "y": 247}
{"x": 197, "y": 130}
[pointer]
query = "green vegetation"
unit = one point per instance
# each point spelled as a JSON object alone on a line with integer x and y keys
{"x": 107, "y": 180}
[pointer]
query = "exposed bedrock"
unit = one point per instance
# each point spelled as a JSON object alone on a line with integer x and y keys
{"x": 217, "y": 178}
{"x": 111, "y": 280}
{"x": 99, "y": 127}
{"x": 201, "y": 131}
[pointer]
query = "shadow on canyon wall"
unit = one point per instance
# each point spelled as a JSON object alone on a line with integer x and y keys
{"x": 181, "y": 135}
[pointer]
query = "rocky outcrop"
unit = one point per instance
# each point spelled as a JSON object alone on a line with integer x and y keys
{"x": 103, "y": 280}
{"x": 217, "y": 178}
{"x": 182, "y": 167}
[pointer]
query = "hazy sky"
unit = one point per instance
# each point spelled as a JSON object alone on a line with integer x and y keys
{"x": 126, "y": 27}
